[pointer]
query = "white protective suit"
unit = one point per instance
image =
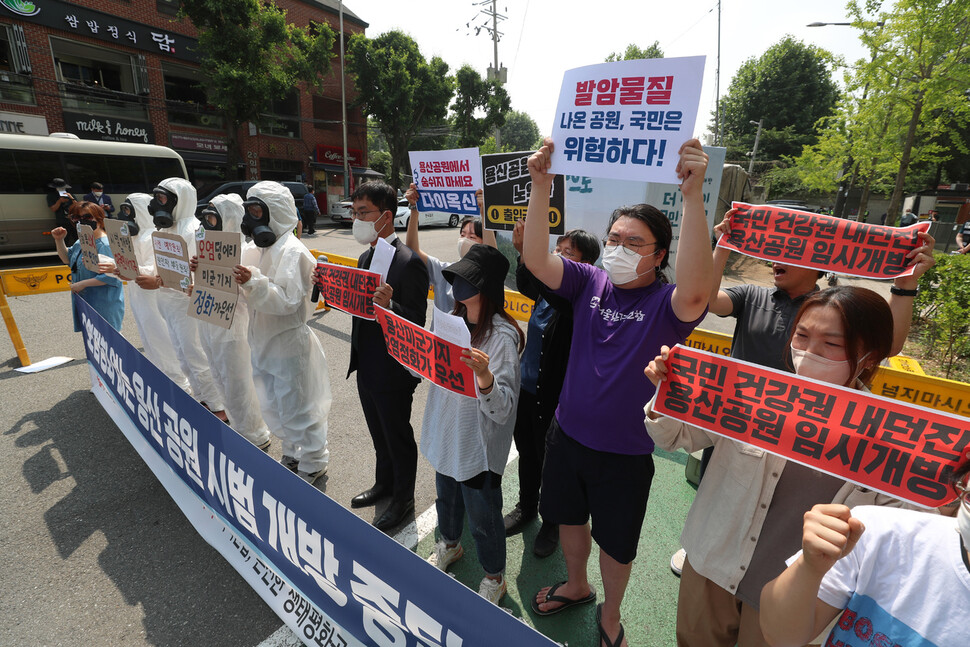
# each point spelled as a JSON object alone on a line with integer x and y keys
{"x": 144, "y": 303}
{"x": 174, "y": 304}
{"x": 228, "y": 349}
{"x": 289, "y": 366}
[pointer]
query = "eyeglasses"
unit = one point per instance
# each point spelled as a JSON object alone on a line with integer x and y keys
{"x": 567, "y": 252}
{"x": 964, "y": 493}
{"x": 360, "y": 214}
{"x": 629, "y": 246}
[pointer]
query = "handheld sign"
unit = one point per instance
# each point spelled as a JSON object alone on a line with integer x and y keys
{"x": 507, "y": 190}
{"x": 626, "y": 120}
{"x": 348, "y": 289}
{"x": 899, "y": 449}
{"x": 447, "y": 180}
{"x": 215, "y": 294}
{"x": 171, "y": 260}
{"x": 89, "y": 251}
{"x": 122, "y": 248}
{"x": 426, "y": 354}
{"x": 819, "y": 242}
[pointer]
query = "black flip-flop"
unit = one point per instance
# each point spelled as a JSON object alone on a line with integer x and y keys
{"x": 565, "y": 602}
{"x": 603, "y": 636}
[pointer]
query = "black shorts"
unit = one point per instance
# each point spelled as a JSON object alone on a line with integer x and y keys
{"x": 579, "y": 483}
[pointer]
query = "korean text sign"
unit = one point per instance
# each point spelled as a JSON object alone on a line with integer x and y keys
{"x": 171, "y": 260}
{"x": 348, "y": 288}
{"x": 901, "y": 450}
{"x": 89, "y": 250}
{"x": 426, "y": 354}
{"x": 626, "y": 120}
{"x": 215, "y": 293}
{"x": 447, "y": 180}
{"x": 821, "y": 242}
{"x": 121, "y": 248}
{"x": 507, "y": 190}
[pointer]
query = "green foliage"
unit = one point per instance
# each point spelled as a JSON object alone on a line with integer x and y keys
{"x": 488, "y": 146}
{"x": 380, "y": 161}
{"x": 783, "y": 180}
{"x": 790, "y": 88}
{"x": 480, "y": 106}
{"x": 520, "y": 133}
{"x": 633, "y": 52}
{"x": 943, "y": 304}
{"x": 400, "y": 89}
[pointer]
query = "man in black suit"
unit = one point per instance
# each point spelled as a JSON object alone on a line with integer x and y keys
{"x": 385, "y": 387}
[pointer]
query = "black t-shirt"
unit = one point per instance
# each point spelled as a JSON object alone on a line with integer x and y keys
{"x": 61, "y": 213}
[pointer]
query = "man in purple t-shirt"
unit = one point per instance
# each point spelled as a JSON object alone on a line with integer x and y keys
{"x": 598, "y": 457}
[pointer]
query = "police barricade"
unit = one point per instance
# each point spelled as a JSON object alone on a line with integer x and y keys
{"x": 329, "y": 575}
{"x": 25, "y": 282}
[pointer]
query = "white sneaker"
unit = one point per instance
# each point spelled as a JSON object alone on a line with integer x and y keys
{"x": 444, "y": 555}
{"x": 492, "y": 590}
{"x": 677, "y": 562}
{"x": 310, "y": 477}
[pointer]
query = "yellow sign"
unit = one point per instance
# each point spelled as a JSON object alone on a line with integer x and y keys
{"x": 931, "y": 392}
{"x": 35, "y": 280}
{"x": 908, "y": 364}
{"x": 712, "y": 342}
{"x": 507, "y": 215}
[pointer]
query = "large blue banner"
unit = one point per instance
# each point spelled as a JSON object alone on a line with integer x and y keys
{"x": 331, "y": 576}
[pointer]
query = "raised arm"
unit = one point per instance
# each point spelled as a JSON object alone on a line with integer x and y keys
{"x": 720, "y": 303}
{"x": 411, "y": 238}
{"x": 546, "y": 267}
{"x": 694, "y": 266}
{"x": 488, "y": 236}
{"x": 901, "y": 305}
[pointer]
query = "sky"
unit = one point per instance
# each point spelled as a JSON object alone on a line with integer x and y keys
{"x": 543, "y": 38}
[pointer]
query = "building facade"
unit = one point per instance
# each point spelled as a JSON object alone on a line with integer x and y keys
{"x": 128, "y": 70}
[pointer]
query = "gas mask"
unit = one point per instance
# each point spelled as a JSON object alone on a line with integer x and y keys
{"x": 211, "y": 220}
{"x": 255, "y": 223}
{"x": 162, "y": 207}
{"x": 126, "y": 212}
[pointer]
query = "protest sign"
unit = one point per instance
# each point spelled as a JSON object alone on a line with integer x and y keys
{"x": 895, "y": 448}
{"x": 89, "y": 250}
{"x": 348, "y": 288}
{"x": 426, "y": 354}
{"x": 121, "y": 248}
{"x": 447, "y": 180}
{"x": 171, "y": 260}
{"x": 628, "y": 119}
{"x": 507, "y": 190}
{"x": 216, "y": 293}
{"x": 819, "y": 242}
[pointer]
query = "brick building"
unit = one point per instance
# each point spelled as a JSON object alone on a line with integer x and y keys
{"x": 127, "y": 70}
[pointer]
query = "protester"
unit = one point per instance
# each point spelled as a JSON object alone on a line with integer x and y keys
{"x": 467, "y": 440}
{"x": 891, "y": 577}
{"x": 909, "y": 218}
{"x": 598, "y": 460}
{"x": 384, "y": 386}
{"x": 963, "y": 238}
{"x": 543, "y": 368}
{"x": 310, "y": 211}
{"x": 173, "y": 210}
{"x": 228, "y": 348}
{"x": 289, "y": 366}
{"x": 59, "y": 200}
{"x": 101, "y": 291}
{"x": 745, "y": 518}
{"x": 470, "y": 232}
{"x": 100, "y": 198}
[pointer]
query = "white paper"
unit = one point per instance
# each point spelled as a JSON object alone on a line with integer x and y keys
{"x": 381, "y": 262}
{"x": 43, "y": 365}
{"x": 451, "y": 328}
{"x": 632, "y": 122}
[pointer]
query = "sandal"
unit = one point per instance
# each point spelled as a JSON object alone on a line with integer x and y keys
{"x": 565, "y": 602}
{"x": 603, "y": 636}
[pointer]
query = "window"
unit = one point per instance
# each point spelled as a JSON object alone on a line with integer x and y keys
{"x": 15, "y": 82}
{"x": 283, "y": 118}
{"x": 97, "y": 81}
{"x": 170, "y": 7}
{"x": 186, "y": 99}
{"x": 280, "y": 170}
{"x": 326, "y": 113}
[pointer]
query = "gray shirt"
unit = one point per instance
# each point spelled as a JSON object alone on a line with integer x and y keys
{"x": 765, "y": 317}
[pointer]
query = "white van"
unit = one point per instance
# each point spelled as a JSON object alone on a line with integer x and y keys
{"x": 29, "y": 162}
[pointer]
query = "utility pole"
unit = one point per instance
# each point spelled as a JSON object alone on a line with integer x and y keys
{"x": 757, "y": 138}
{"x": 343, "y": 105}
{"x": 718, "y": 127}
{"x": 495, "y": 73}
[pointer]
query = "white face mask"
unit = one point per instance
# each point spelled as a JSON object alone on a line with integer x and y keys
{"x": 364, "y": 231}
{"x": 97, "y": 194}
{"x": 464, "y": 244}
{"x": 820, "y": 368}
{"x": 621, "y": 266}
{"x": 963, "y": 524}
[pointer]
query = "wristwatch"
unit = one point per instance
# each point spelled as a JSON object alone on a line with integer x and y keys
{"x": 903, "y": 293}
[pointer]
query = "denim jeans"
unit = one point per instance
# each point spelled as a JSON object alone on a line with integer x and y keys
{"x": 484, "y": 508}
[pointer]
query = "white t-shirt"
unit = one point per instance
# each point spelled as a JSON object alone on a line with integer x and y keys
{"x": 443, "y": 299}
{"x": 904, "y": 584}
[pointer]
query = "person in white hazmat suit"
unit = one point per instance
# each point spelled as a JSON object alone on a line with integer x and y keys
{"x": 289, "y": 366}
{"x": 228, "y": 349}
{"x": 173, "y": 210}
{"x": 144, "y": 303}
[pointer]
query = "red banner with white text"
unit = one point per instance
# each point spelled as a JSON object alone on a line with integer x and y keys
{"x": 348, "y": 289}
{"x": 896, "y": 448}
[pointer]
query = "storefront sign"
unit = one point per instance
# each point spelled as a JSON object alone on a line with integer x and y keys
{"x": 18, "y": 124}
{"x": 108, "y": 129}
{"x": 198, "y": 143}
{"x": 335, "y": 155}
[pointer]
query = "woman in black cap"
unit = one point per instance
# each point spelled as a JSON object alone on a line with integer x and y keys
{"x": 467, "y": 440}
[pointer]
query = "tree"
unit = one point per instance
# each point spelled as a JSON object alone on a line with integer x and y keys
{"x": 476, "y": 96}
{"x": 790, "y": 88}
{"x": 520, "y": 133}
{"x": 403, "y": 92}
{"x": 250, "y": 57}
{"x": 633, "y": 52}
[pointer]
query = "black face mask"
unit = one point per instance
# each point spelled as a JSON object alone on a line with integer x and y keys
{"x": 461, "y": 289}
{"x": 207, "y": 213}
{"x": 163, "y": 213}
{"x": 255, "y": 223}
{"x": 93, "y": 224}
{"x": 126, "y": 212}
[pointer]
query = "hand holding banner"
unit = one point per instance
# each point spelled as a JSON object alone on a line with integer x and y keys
{"x": 819, "y": 242}
{"x": 121, "y": 248}
{"x": 348, "y": 288}
{"x": 215, "y": 294}
{"x": 89, "y": 250}
{"x": 892, "y": 447}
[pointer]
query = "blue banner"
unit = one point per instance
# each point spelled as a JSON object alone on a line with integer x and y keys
{"x": 351, "y": 584}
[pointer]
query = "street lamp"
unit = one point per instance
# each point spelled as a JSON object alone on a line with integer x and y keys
{"x": 757, "y": 138}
